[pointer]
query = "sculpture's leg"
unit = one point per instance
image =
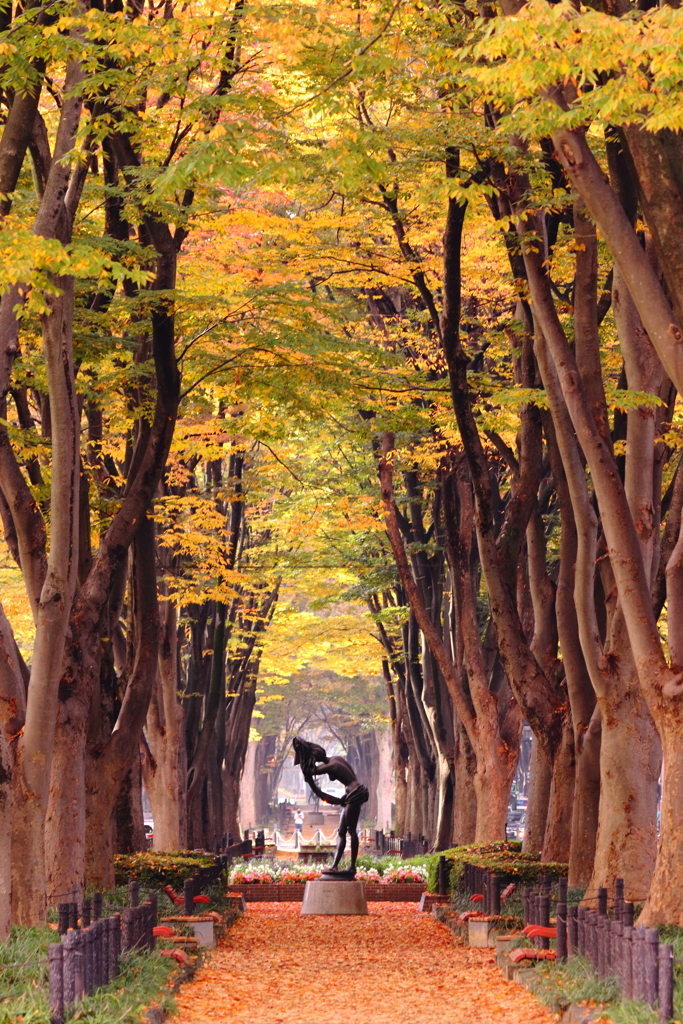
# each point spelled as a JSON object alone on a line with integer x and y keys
{"x": 352, "y": 823}
{"x": 341, "y": 841}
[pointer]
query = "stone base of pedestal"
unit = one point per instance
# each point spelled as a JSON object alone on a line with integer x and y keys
{"x": 334, "y": 898}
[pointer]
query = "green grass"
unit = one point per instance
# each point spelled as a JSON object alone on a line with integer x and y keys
{"x": 143, "y": 979}
{"x": 557, "y": 985}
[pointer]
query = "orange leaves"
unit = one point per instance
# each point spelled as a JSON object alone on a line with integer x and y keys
{"x": 396, "y": 961}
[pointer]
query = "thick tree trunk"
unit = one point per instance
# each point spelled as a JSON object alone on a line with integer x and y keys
{"x": 630, "y": 762}
{"x": 666, "y": 893}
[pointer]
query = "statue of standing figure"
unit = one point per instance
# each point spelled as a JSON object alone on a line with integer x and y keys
{"x": 314, "y": 761}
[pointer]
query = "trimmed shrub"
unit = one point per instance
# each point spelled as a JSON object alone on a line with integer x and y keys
{"x": 158, "y": 869}
{"x": 503, "y": 859}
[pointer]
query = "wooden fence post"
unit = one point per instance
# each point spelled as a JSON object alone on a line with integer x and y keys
{"x": 55, "y": 955}
{"x": 544, "y": 909}
{"x": 104, "y": 951}
{"x": 637, "y": 953}
{"x": 651, "y": 965}
{"x": 128, "y": 937}
{"x": 666, "y": 984}
{"x": 618, "y": 898}
{"x": 602, "y": 901}
{"x": 188, "y": 893}
{"x": 79, "y": 985}
{"x": 114, "y": 944}
{"x": 69, "y": 966}
{"x": 88, "y": 975}
{"x": 442, "y": 886}
{"x": 494, "y": 895}
{"x": 616, "y": 950}
{"x": 572, "y": 931}
{"x": 561, "y": 927}
{"x": 63, "y": 912}
{"x": 97, "y": 906}
{"x": 627, "y": 961}
{"x": 134, "y": 893}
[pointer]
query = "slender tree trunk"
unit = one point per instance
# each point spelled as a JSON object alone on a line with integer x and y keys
{"x": 36, "y": 746}
{"x": 558, "y": 826}
{"x": 5, "y": 837}
{"x": 585, "y": 814}
{"x": 384, "y": 779}
{"x": 128, "y": 821}
{"x": 538, "y": 801}
{"x": 164, "y": 776}
{"x": 106, "y": 769}
{"x": 465, "y": 798}
{"x": 250, "y": 816}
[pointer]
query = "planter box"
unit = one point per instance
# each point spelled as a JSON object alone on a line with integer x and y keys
{"x": 264, "y": 892}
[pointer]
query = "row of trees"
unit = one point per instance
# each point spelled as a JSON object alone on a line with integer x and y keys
{"x": 365, "y": 302}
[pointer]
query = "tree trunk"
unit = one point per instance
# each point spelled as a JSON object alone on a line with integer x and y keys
{"x": 384, "y": 780}
{"x": 164, "y": 730}
{"x": 630, "y": 761}
{"x": 5, "y": 837}
{"x": 107, "y": 768}
{"x": 586, "y": 804}
{"x": 558, "y": 827}
{"x": 538, "y": 800}
{"x": 250, "y": 817}
{"x": 127, "y": 821}
{"x": 465, "y": 798}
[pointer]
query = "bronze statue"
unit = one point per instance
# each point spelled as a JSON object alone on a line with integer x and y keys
{"x": 338, "y": 769}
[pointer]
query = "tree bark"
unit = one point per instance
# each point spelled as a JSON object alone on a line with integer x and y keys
{"x": 165, "y": 781}
{"x": 107, "y": 768}
{"x": 538, "y": 799}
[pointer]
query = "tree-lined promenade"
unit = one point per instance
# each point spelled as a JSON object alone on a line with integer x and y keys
{"x": 340, "y": 350}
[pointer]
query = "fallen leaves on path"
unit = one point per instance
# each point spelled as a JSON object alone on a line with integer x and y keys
{"x": 395, "y": 964}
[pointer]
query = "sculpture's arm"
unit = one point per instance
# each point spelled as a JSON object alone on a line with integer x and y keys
{"x": 327, "y": 797}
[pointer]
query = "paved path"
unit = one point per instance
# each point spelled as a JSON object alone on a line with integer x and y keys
{"x": 395, "y": 966}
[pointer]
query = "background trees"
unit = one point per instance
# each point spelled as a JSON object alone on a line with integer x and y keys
{"x": 340, "y": 359}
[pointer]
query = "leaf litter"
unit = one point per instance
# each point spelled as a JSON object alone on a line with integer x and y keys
{"x": 394, "y": 964}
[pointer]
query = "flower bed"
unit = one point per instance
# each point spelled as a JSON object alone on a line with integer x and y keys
{"x": 270, "y": 873}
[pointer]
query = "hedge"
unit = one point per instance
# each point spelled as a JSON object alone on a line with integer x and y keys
{"x": 504, "y": 859}
{"x": 158, "y": 869}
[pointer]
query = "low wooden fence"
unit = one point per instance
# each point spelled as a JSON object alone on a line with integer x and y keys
{"x": 88, "y": 955}
{"x": 407, "y": 846}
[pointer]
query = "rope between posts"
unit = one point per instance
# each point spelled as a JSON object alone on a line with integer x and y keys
{"x": 28, "y": 963}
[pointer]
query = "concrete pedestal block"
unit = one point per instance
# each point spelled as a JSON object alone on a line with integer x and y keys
{"x": 481, "y": 934}
{"x": 504, "y": 943}
{"x": 203, "y": 930}
{"x": 334, "y": 898}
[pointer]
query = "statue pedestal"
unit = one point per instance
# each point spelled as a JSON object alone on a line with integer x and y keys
{"x": 334, "y": 898}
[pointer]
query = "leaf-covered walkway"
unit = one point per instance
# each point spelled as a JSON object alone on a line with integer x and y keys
{"x": 394, "y": 965}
